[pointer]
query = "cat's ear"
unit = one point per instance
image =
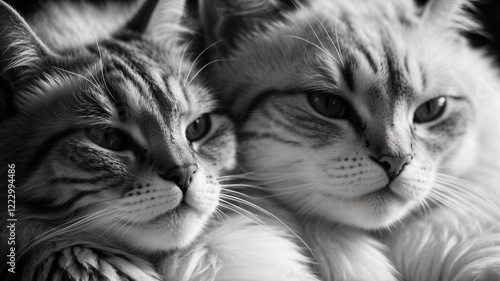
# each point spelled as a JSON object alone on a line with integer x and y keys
{"x": 21, "y": 50}
{"x": 22, "y": 55}
{"x": 224, "y": 20}
{"x": 162, "y": 19}
{"x": 447, "y": 14}
{"x": 142, "y": 18}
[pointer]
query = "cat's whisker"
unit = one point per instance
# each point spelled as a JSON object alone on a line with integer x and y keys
{"x": 101, "y": 64}
{"x": 242, "y": 212}
{"x": 269, "y": 195}
{"x": 220, "y": 214}
{"x": 339, "y": 50}
{"x": 464, "y": 201}
{"x": 124, "y": 224}
{"x": 337, "y": 47}
{"x": 324, "y": 49}
{"x": 268, "y": 177}
{"x": 196, "y": 60}
{"x": 315, "y": 45}
{"x": 184, "y": 50}
{"x": 205, "y": 66}
{"x": 78, "y": 75}
{"x": 115, "y": 220}
{"x": 264, "y": 211}
{"x": 130, "y": 226}
{"x": 235, "y": 192}
{"x": 471, "y": 199}
{"x": 73, "y": 225}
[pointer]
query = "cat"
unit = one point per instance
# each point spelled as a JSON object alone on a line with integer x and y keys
{"x": 372, "y": 122}
{"x": 115, "y": 149}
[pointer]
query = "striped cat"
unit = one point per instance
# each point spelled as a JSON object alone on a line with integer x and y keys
{"x": 116, "y": 152}
{"x": 372, "y": 121}
{"x": 115, "y": 145}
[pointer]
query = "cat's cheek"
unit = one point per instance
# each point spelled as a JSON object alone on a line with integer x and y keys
{"x": 413, "y": 183}
{"x": 203, "y": 194}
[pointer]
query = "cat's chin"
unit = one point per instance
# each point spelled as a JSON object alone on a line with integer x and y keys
{"x": 375, "y": 210}
{"x": 174, "y": 229}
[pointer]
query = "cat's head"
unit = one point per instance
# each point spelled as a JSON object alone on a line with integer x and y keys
{"x": 349, "y": 109}
{"x": 116, "y": 138}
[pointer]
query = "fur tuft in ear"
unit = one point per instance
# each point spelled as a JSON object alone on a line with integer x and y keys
{"x": 166, "y": 25}
{"x": 227, "y": 19}
{"x": 21, "y": 52}
{"x": 21, "y": 56}
{"x": 448, "y": 14}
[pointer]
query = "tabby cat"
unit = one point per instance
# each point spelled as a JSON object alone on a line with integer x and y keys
{"x": 372, "y": 122}
{"x": 115, "y": 146}
{"x": 115, "y": 151}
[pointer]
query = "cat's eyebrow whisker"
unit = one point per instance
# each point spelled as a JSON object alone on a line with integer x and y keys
{"x": 102, "y": 68}
{"x": 78, "y": 75}
{"x": 324, "y": 49}
{"x": 205, "y": 66}
{"x": 315, "y": 45}
{"x": 182, "y": 57}
{"x": 339, "y": 50}
{"x": 197, "y": 58}
{"x": 337, "y": 47}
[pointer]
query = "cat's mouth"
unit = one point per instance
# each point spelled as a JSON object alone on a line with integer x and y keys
{"x": 176, "y": 212}
{"x": 382, "y": 194}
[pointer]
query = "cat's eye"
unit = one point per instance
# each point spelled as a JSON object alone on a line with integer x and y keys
{"x": 430, "y": 111}
{"x": 109, "y": 138}
{"x": 329, "y": 105}
{"x": 199, "y": 128}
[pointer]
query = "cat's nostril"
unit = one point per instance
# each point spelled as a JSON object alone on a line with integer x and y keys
{"x": 181, "y": 176}
{"x": 394, "y": 165}
{"x": 385, "y": 165}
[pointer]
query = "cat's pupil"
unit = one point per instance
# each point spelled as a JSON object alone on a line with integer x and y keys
{"x": 199, "y": 128}
{"x": 329, "y": 105}
{"x": 431, "y": 110}
{"x": 109, "y": 138}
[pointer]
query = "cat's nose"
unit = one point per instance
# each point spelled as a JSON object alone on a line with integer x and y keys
{"x": 394, "y": 165}
{"x": 181, "y": 176}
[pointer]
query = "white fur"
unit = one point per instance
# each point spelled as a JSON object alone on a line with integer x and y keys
{"x": 239, "y": 249}
{"x": 322, "y": 185}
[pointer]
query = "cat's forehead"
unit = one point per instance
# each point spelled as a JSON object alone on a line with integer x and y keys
{"x": 145, "y": 78}
{"x": 379, "y": 52}
{"x": 159, "y": 92}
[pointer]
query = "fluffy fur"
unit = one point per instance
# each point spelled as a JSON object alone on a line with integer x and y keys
{"x": 238, "y": 248}
{"x": 116, "y": 146}
{"x": 337, "y": 108}
{"x": 118, "y": 151}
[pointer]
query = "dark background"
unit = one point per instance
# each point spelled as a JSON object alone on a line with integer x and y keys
{"x": 487, "y": 12}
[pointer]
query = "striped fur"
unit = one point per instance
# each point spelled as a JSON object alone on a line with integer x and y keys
{"x": 86, "y": 212}
{"x": 386, "y": 59}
